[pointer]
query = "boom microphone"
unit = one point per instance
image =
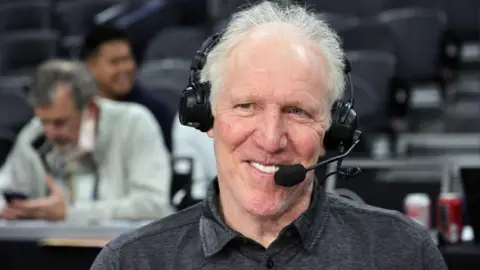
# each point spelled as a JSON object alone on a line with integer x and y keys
{"x": 291, "y": 175}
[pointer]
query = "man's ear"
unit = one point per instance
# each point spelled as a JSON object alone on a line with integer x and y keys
{"x": 91, "y": 63}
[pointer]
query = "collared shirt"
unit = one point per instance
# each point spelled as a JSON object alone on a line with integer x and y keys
{"x": 332, "y": 234}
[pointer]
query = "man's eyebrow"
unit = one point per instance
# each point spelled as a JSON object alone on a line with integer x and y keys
{"x": 311, "y": 105}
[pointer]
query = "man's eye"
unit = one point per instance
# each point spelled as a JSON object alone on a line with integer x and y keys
{"x": 297, "y": 111}
{"x": 245, "y": 106}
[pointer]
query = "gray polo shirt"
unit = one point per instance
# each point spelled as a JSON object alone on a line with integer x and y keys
{"x": 333, "y": 234}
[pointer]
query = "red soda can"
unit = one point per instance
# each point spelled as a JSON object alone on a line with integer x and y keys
{"x": 449, "y": 216}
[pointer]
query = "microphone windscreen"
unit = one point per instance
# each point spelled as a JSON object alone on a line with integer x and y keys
{"x": 290, "y": 175}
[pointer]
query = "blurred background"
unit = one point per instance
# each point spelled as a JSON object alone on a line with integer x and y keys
{"x": 415, "y": 74}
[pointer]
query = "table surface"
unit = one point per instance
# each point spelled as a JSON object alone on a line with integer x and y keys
{"x": 466, "y": 249}
{"x": 37, "y": 230}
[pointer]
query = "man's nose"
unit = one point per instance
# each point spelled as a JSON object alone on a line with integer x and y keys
{"x": 51, "y": 131}
{"x": 271, "y": 133}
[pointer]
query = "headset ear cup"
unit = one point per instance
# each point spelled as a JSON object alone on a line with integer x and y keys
{"x": 342, "y": 129}
{"x": 335, "y": 111}
{"x": 328, "y": 144}
{"x": 187, "y": 101}
{"x": 207, "y": 117}
{"x": 329, "y": 141}
{"x": 194, "y": 109}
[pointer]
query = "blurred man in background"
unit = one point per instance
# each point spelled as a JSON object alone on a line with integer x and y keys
{"x": 85, "y": 157}
{"x": 108, "y": 55}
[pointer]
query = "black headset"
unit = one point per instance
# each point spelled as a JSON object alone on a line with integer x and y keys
{"x": 195, "y": 110}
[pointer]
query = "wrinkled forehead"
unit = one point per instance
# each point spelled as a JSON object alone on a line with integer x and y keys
{"x": 279, "y": 61}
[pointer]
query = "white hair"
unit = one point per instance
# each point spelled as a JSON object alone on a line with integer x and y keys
{"x": 308, "y": 23}
{"x": 54, "y": 71}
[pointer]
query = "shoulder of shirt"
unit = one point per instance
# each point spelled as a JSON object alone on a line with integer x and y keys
{"x": 30, "y": 131}
{"x": 124, "y": 110}
{"x": 163, "y": 228}
{"x": 376, "y": 218}
{"x": 150, "y": 99}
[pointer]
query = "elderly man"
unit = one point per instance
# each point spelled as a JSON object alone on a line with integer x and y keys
{"x": 83, "y": 157}
{"x": 274, "y": 75}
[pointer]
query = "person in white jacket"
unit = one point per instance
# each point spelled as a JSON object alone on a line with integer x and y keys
{"x": 191, "y": 143}
{"x": 84, "y": 157}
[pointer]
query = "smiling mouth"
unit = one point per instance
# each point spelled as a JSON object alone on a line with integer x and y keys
{"x": 264, "y": 168}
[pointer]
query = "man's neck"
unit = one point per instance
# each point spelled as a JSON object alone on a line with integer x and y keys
{"x": 263, "y": 230}
{"x": 105, "y": 94}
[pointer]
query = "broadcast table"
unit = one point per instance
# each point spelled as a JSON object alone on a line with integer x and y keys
{"x": 465, "y": 256}
{"x": 55, "y": 245}
{"x": 58, "y": 245}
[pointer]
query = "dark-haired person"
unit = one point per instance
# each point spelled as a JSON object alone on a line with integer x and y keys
{"x": 108, "y": 55}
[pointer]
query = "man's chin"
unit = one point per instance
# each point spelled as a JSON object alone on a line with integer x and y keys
{"x": 121, "y": 90}
{"x": 265, "y": 211}
{"x": 264, "y": 205}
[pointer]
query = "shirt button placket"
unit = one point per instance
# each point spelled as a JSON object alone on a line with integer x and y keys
{"x": 270, "y": 263}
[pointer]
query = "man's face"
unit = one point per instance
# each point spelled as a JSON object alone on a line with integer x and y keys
{"x": 61, "y": 119}
{"x": 272, "y": 111}
{"x": 113, "y": 68}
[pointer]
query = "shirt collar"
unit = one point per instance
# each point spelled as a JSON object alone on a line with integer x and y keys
{"x": 312, "y": 222}
{"x": 215, "y": 234}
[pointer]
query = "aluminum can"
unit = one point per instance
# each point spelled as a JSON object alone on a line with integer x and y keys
{"x": 450, "y": 218}
{"x": 417, "y": 207}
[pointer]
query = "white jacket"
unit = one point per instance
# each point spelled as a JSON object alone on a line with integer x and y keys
{"x": 190, "y": 142}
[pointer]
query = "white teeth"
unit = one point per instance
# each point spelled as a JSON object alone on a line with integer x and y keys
{"x": 263, "y": 168}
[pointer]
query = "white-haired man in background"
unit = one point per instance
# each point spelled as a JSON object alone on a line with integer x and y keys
{"x": 274, "y": 75}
